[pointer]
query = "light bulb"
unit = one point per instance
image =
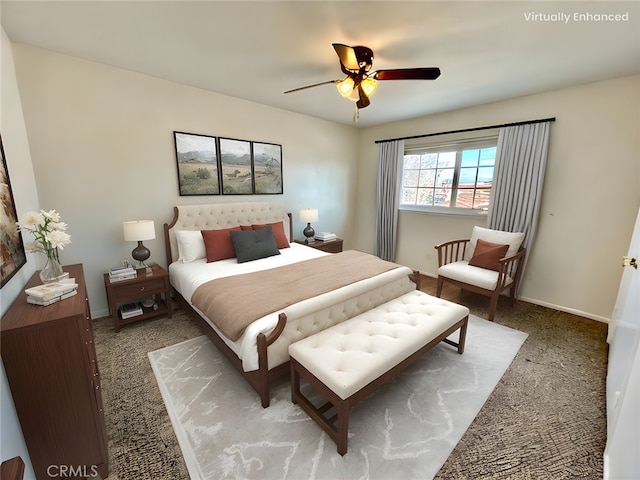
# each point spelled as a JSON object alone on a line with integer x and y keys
{"x": 345, "y": 87}
{"x": 369, "y": 86}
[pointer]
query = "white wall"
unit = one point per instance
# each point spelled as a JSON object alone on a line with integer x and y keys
{"x": 102, "y": 146}
{"x": 590, "y": 198}
{"x": 25, "y": 195}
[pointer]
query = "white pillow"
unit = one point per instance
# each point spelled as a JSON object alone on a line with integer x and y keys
{"x": 513, "y": 239}
{"x": 190, "y": 245}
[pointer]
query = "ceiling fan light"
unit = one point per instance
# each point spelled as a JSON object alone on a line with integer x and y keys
{"x": 345, "y": 87}
{"x": 369, "y": 86}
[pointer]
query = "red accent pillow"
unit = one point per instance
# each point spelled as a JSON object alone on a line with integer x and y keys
{"x": 218, "y": 244}
{"x": 488, "y": 255}
{"x": 246, "y": 227}
{"x": 278, "y": 233}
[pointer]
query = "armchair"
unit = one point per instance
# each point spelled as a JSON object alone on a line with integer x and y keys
{"x": 488, "y": 263}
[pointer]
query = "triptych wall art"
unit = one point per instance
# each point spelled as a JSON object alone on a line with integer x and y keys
{"x": 214, "y": 165}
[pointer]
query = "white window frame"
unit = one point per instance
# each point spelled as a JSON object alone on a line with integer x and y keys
{"x": 458, "y": 145}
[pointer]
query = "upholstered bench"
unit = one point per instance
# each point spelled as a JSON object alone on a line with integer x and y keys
{"x": 348, "y": 361}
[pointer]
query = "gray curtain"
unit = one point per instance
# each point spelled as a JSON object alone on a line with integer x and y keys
{"x": 390, "y": 157}
{"x": 521, "y": 158}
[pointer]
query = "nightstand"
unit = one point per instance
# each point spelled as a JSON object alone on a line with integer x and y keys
{"x": 329, "y": 246}
{"x": 126, "y": 291}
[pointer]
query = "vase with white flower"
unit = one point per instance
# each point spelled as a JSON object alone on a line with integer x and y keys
{"x": 49, "y": 237}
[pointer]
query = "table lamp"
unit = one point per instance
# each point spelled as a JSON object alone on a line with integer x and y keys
{"x": 137, "y": 231}
{"x": 308, "y": 215}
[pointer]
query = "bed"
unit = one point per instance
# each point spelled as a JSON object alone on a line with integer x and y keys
{"x": 260, "y": 351}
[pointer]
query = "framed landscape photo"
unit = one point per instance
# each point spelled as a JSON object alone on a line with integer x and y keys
{"x": 197, "y": 158}
{"x": 11, "y": 247}
{"x": 236, "y": 167}
{"x": 267, "y": 168}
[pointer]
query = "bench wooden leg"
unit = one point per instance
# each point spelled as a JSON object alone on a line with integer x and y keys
{"x": 462, "y": 325}
{"x": 337, "y": 426}
{"x": 295, "y": 384}
{"x": 463, "y": 336}
{"x": 343, "y": 427}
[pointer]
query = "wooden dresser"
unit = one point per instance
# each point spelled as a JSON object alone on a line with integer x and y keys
{"x": 50, "y": 361}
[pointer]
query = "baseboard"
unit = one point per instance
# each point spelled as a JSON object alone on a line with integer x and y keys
{"x": 560, "y": 308}
{"x": 573, "y": 311}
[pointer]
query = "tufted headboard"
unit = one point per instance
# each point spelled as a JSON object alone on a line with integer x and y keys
{"x": 222, "y": 215}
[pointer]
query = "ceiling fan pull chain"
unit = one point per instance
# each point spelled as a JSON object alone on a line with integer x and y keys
{"x": 356, "y": 113}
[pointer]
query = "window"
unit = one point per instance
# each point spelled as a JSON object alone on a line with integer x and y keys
{"x": 453, "y": 178}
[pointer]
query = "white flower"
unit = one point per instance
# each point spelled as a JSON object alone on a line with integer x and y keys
{"x": 31, "y": 219}
{"x": 48, "y": 231}
{"x": 58, "y": 239}
{"x": 51, "y": 215}
{"x": 58, "y": 225}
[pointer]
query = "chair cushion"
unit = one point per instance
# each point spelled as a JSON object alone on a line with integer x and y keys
{"x": 480, "y": 277}
{"x": 513, "y": 239}
{"x": 488, "y": 255}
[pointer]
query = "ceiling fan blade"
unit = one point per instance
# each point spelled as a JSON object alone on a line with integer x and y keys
{"x": 311, "y": 86}
{"x": 363, "y": 100}
{"x": 408, "y": 74}
{"x": 364, "y": 55}
{"x": 347, "y": 56}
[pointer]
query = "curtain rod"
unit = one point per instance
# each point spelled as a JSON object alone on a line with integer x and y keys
{"x": 552, "y": 119}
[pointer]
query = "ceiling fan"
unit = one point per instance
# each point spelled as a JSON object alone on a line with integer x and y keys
{"x": 361, "y": 82}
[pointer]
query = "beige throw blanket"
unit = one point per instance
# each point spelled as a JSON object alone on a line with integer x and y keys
{"x": 232, "y": 303}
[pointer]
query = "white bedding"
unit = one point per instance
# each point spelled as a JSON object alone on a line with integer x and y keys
{"x": 187, "y": 277}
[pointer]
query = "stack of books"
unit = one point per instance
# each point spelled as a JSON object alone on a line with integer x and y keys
{"x": 129, "y": 310}
{"x": 122, "y": 272}
{"x": 325, "y": 236}
{"x": 50, "y": 293}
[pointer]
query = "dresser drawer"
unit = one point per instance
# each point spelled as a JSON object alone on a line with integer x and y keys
{"x": 147, "y": 287}
{"x": 334, "y": 246}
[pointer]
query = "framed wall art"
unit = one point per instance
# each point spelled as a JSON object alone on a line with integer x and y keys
{"x": 209, "y": 165}
{"x": 197, "y": 159}
{"x": 267, "y": 168}
{"x": 12, "y": 252}
{"x": 236, "y": 167}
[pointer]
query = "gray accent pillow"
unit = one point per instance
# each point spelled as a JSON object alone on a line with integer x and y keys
{"x": 254, "y": 244}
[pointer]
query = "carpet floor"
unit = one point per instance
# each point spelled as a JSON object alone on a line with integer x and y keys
{"x": 546, "y": 418}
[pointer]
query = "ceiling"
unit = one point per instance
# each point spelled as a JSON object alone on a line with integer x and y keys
{"x": 487, "y": 51}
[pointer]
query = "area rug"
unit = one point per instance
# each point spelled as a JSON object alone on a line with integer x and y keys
{"x": 405, "y": 430}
